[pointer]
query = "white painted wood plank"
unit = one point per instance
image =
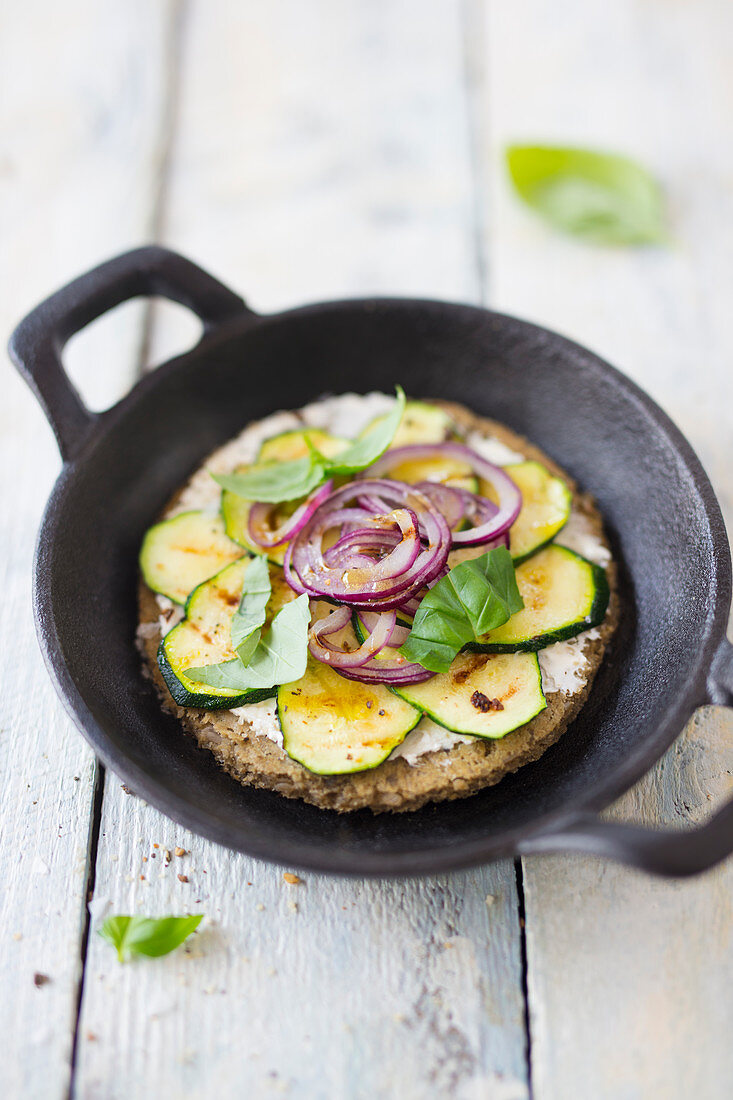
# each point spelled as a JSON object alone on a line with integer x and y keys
{"x": 327, "y": 988}
{"x": 321, "y": 150}
{"x": 79, "y": 88}
{"x": 630, "y": 977}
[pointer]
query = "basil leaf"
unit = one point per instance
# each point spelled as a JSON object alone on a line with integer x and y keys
{"x": 274, "y": 482}
{"x": 250, "y": 615}
{"x": 475, "y": 597}
{"x": 151, "y": 936}
{"x": 371, "y": 446}
{"x": 601, "y": 197}
{"x": 279, "y": 658}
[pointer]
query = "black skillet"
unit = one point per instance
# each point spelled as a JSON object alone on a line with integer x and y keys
{"x": 121, "y": 466}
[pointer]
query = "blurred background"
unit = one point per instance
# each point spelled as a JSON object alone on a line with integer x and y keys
{"x": 321, "y": 149}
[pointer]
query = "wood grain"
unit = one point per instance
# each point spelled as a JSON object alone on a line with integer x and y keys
{"x": 79, "y": 92}
{"x": 324, "y": 988}
{"x": 321, "y": 150}
{"x": 339, "y": 164}
{"x": 629, "y": 977}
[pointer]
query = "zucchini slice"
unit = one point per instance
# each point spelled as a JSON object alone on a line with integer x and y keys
{"x": 420, "y": 423}
{"x": 335, "y": 726}
{"x": 448, "y": 471}
{"x": 563, "y": 595}
{"x": 235, "y": 517}
{"x": 204, "y": 638}
{"x": 485, "y": 695}
{"x": 290, "y": 445}
{"x": 546, "y": 504}
{"x": 281, "y": 448}
{"x": 178, "y": 554}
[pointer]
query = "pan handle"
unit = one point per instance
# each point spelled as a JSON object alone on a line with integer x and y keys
{"x": 660, "y": 851}
{"x": 37, "y": 343}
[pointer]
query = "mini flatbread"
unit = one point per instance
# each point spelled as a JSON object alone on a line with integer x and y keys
{"x": 396, "y": 785}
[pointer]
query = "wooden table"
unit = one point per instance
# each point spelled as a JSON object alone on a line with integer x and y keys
{"x": 325, "y": 149}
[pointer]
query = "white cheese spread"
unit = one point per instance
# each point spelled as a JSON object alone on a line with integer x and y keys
{"x": 428, "y": 736}
{"x": 493, "y": 450}
{"x": 348, "y": 414}
{"x": 170, "y": 614}
{"x": 578, "y": 535}
{"x": 262, "y": 717}
{"x": 562, "y": 664}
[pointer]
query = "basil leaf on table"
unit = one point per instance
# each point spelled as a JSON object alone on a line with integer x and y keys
{"x": 276, "y": 482}
{"x": 249, "y": 617}
{"x": 151, "y": 936}
{"x": 601, "y": 197}
{"x": 280, "y": 657}
{"x": 475, "y": 597}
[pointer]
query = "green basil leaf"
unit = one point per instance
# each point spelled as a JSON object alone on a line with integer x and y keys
{"x": 274, "y": 482}
{"x": 475, "y": 597}
{"x": 151, "y": 936}
{"x": 370, "y": 447}
{"x": 280, "y": 657}
{"x": 601, "y": 197}
{"x": 250, "y": 615}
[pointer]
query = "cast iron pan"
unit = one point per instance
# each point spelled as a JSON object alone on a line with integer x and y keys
{"x": 121, "y": 466}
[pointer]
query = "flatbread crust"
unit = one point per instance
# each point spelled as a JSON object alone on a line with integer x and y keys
{"x": 395, "y": 785}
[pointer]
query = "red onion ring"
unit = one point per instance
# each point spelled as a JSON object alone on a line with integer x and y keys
{"x": 447, "y": 499}
{"x": 386, "y": 582}
{"x": 370, "y": 621}
{"x": 391, "y": 672}
{"x": 510, "y": 498}
{"x": 263, "y": 535}
{"x": 341, "y": 659}
{"x": 393, "y": 564}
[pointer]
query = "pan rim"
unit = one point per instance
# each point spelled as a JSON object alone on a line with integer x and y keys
{"x": 402, "y": 862}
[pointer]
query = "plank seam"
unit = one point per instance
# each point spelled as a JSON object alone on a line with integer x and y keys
{"x": 159, "y": 191}
{"x": 89, "y": 883}
{"x": 169, "y": 120}
{"x": 519, "y": 874}
{"x": 473, "y": 76}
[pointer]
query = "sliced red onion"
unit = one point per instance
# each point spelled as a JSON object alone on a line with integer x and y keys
{"x": 389, "y": 672}
{"x": 389, "y": 580}
{"x": 362, "y": 539}
{"x": 509, "y": 496}
{"x": 447, "y": 499}
{"x": 263, "y": 535}
{"x": 341, "y": 659}
{"x": 290, "y": 575}
{"x": 371, "y": 619}
{"x": 400, "y": 547}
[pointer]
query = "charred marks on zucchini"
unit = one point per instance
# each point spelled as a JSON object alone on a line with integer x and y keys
{"x": 484, "y": 704}
{"x": 472, "y": 663}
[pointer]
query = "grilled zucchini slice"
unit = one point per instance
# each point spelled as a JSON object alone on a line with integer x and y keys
{"x": 442, "y": 468}
{"x": 483, "y": 694}
{"x": 563, "y": 595}
{"x": 546, "y": 504}
{"x": 290, "y": 445}
{"x": 178, "y": 554}
{"x": 334, "y": 726}
{"x": 420, "y": 423}
{"x": 204, "y": 637}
